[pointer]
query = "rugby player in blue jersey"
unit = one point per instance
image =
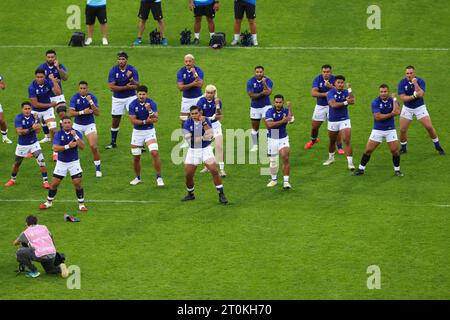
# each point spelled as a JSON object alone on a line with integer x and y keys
{"x": 411, "y": 91}
{"x": 84, "y": 107}
{"x": 384, "y": 110}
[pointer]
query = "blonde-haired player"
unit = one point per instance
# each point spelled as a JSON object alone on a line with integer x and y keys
{"x": 190, "y": 82}
{"x": 211, "y": 106}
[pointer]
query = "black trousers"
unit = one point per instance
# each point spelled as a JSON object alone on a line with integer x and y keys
{"x": 26, "y": 257}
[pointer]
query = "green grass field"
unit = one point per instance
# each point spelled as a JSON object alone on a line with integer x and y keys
{"x": 312, "y": 242}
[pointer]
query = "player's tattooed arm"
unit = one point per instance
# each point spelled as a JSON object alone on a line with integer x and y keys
{"x": 62, "y": 73}
{"x": 56, "y": 88}
{"x": 267, "y": 91}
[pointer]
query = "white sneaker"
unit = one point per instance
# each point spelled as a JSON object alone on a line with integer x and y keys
{"x": 135, "y": 181}
{"x": 46, "y": 139}
{"x": 234, "y": 42}
{"x": 104, "y": 41}
{"x": 6, "y": 140}
{"x": 88, "y": 41}
{"x": 64, "y": 270}
{"x": 255, "y": 43}
{"x": 46, "y": 205}
{"x": 98, "y": 174}
{"x": 272, "y": 183}
{"x": 328, "y": 162}
{"x": 204, "y": 170}
{"x": 160, "y": 182}
{"x": 286, "y": 185}
{"x": 351, "y": 167}
{"x": 222, "y": 173}
{"x": 254, "y": 148}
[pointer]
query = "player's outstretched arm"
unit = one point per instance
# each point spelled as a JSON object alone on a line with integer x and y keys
{"x": 2, "y": 84}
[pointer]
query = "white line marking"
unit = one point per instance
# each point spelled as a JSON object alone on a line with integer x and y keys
{"x": 156, "y": 201}
{"x": 235, "y": 48}
{"x": 87, "y": 200}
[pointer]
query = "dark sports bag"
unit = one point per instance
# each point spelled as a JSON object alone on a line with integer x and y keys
{"x": 246, "y": 39}
{"x": 185, "y": 37}
{"x": 155, "y": 37}
{"x": 218, "y": 40}
{"x": 77, "y": 39}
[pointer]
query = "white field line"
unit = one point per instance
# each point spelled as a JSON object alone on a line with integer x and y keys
{"x": 87, "y": 200}
{"x": 236, "y": 48}
{"x": 156, "y": 201}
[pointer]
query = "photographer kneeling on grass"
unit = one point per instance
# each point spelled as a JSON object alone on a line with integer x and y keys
{"x": 37, "y": 245}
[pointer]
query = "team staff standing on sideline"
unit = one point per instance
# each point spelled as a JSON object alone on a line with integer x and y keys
{"x": 96, "y": 9}
{"x": 249, "y": 8}
{"x": 144, "y": 10}
{"x": 3, "y": 125}
{"x": 411, "y": 91}
{"x": 123, "y": 81}
{"x": 84, "y": 107}
{"x": 202, "y": 8}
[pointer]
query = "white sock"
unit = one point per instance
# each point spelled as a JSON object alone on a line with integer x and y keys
{"x": 331, "y": 155}
{"x": 274, "y": 177}
{"x": 254, "y": 37}
{"x": 286, "y": 178}
{"x": 236, "y": 37}
{"x": 97, "y": 162}
{"x": 211, "y": 34}
{"x": 221, "y": 165}
{"x": 197, "y": 35}
{"x": 403, "y": 143}
{"x": 254, "y": 137}
{"x": 350, "y": 160}
{"x": 436, "y": 140}
{"x": 361, "y": 168}
{"x": 396, "y": 168}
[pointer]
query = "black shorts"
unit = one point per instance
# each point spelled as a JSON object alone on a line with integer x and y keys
{"x": 95, "y": 12}
{"x": 207, "y": 11}
{"x": 240, "y": 6}
{"x": 145, "y": 8}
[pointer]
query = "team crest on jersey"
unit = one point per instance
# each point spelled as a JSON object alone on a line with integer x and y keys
{"x": 184, "y": 76}
{"x": 24, "y": 122}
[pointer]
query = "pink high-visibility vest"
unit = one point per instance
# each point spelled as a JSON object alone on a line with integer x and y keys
{"x": 39, "y": 238}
